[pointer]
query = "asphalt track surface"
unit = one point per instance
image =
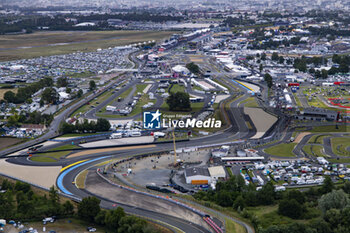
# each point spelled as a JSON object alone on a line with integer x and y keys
{"x": 237, "y": 131}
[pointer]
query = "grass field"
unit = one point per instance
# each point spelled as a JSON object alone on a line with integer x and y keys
{"x": 249, "y": 103}
{"x": 3, "y": 91}
{"x": 144, "y": 99}
{"x": 233, "y": 227}
{"x": 14, "y": 47}
{"x": 340, "y": 145}
{"x": 53, "y": 156}
{"x": 317, "y": 139}
{"x": 77, "y": 135}
{"x": 176, "y": 88}
{"x": 341, "y": 160}
{"x": 314, "y": 150}
{"x": 330, "y": 128}
{"x": 87, "y": 107}
{"x": 282, "y": 150}
{"x": 6, "y": 142}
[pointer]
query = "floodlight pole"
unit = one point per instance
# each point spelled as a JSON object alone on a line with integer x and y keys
{"x": 174, "y": 146}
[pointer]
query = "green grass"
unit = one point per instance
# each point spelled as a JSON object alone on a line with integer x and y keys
{"x": 65, "y": 147}
{"x": 330, "y": 129}
{"x": 341, "y": 160}
{"x": 144, "y": 99}
{"x": 176, "y": 88}
{"x": 229, "y": 171}
{"x": 340, "y": 145}
{"x": 43, "y": 42}
{"x": 318, "y": 139}
{"x": 77, "y": 135}
{"x": 282, "y": 150}
{"x": 80, "y": 75}
{"x": 249, "y": 103}
{"x": 314, "y": 150}
{"x": 99, "y": 99}
{"x": 43, "y": 159}
{"x": 233, "y": 227}
{"x": 297, "y": 100}
{"x": 103, "y": 110}
{"x": 140, "y": 88}
{"x": 53, "y": 156}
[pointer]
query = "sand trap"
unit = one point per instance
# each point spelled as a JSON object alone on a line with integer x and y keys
{"x": 252, "y": 86}
{"x": 301, "y": 136}
{"x": 220, "y": 98}
{"x": 147, "y": 88}
{"x": 42, "y": 176}
{"x": 261, "y": 120}
{"x": 121, "y": 141}
{"x": 89, "y": 152}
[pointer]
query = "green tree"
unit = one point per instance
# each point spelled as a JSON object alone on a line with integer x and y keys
{"x": 297, "y": 195}
{"x": 92, "y": 85}
{"x": 261, "y": 68}
{"x": 102, "y": 125}
{"x": 132, "y": 224}
{"x": 10, "y": 97}
{"x": 274, "y": 56}
{"x": 239, "y": 203}
{"x": 192, "y": 67}
{"x": 50, "y": 95}
{"x": 290, "y": 208}
{"x": 337, "y": 199}
{"x": 100, "y": 217}
{"x": 68, "y": 208}
{"x": 13, "y": 120}
{"x": 179, "y": 101}
{"x": 346, "y": 187}
{"x": 80, "y": 93}
{"x": 62, "y": 82}
{"x": 328, "y": 185}
{"x": 53, "y": 195}
{"x": 281, "y": 60}
{"x": 224, "y": 198}
{"x": 88, "y": 208}
{"x": 343, "y": 68}
{"x": 268, "y": 80}
{"x": 113, "y": 218}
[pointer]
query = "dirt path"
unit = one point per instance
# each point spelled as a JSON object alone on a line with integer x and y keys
{"x": 301, "y": 136}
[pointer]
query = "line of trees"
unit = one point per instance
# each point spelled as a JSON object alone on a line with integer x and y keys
{"x": 30, "y": 118}
{"x": 327, "y": 207}
{"x": 21, "y": 203}
{"x": 25, "y": 93}
{"x": 115, "y": 220}
{"x": 86, "y": 127}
